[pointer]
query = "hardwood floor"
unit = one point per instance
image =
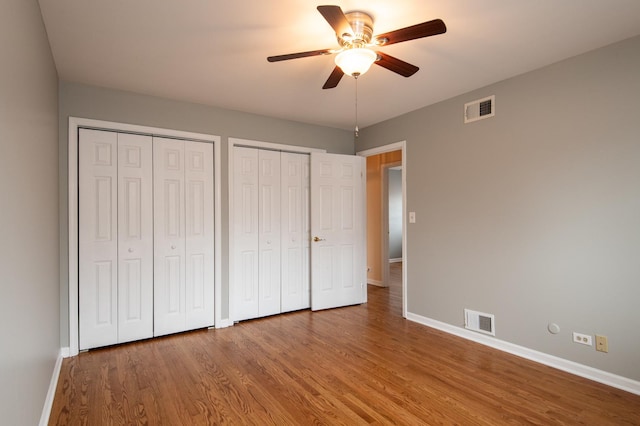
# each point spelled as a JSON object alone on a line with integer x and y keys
{"x": 357, "y": 365}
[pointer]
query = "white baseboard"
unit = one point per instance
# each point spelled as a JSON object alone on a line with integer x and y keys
{"x": 377, "y": 283}
{"x": 395, "y": 260}
{"x": 224, "y": 323}
{"x": 581, "y": 370}
{"x": 51, "y": 393}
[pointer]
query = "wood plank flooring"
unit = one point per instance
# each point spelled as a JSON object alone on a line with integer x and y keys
{"x": 357, "y": 365}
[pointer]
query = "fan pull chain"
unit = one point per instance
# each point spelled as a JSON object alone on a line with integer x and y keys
{"x": 357, "y": 131}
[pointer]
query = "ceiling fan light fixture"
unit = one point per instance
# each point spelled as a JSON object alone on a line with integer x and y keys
{"x": 356, "y": 61}
{"x": 354, "y": 32}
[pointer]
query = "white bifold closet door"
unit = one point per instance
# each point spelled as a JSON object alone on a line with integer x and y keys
{"x": 245, "y": 233}
{"x": 320, "y": 196}
{"x": 295, "y": 232}
{"x": 115, "y": 238}
{"x": 183, "y": 235}
{"x": 271, "y": 232}
{"x": 256, "y": 233}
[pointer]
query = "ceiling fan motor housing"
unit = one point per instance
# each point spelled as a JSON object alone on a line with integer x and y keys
{"x": 362, "y": 25}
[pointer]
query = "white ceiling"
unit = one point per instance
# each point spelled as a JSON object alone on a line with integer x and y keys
{"x": 214, "y": 52}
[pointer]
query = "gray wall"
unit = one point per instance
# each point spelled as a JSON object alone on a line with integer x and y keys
{"x": 395, "y": 213}
{"x": 533, "y": 215}
{"x": 110, "y": 105}
{"x": 29, "y": 311}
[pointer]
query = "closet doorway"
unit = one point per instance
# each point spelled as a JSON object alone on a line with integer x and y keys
{"x": 75, "y": 124}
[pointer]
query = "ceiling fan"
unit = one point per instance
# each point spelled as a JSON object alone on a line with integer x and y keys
{"x": 354, "y": 31}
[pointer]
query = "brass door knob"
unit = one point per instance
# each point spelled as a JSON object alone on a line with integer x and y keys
{"x": 316, "y": 239}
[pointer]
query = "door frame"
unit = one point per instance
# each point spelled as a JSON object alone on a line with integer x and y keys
{"x": 232, "y": 142}
{"x": 72, "y": 192}
{"x": 397, "y": 146}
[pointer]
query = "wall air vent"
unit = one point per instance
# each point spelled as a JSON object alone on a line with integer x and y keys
{"x": 480, "y": 109}
{"x": 480, "y": 322}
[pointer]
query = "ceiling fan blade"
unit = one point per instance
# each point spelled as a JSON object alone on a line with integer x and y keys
{"x": 299, "y": 55}
{"x": 413, "y": 32}
{"x": 403, "y": 68}
{"x": 335, "y": 17}
{"x": 334, "y": 78}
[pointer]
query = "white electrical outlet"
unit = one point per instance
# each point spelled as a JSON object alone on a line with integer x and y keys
{"x": 583, "y": 339}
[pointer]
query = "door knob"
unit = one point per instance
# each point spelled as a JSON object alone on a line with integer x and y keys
{"x": 316, "y": 239}
{"x": 130, "y": 250}
{"x": 173, "y": 247}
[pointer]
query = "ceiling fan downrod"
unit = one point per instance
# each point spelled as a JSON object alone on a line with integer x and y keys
{"x": 357, "y": 131}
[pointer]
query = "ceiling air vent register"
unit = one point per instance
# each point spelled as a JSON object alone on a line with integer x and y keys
{"x": 480, "y": 109}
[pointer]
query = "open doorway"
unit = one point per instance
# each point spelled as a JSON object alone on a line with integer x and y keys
{"x": 378, "y": 228}
{"x": 386, "y": 266}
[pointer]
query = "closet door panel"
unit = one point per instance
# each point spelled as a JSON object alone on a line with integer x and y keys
{"x": 245, "y": 233}
{"x": 306, "y": 232}
{"x": 98, "y": 244}
{"x": 294, "y": 292}
{"x": 199, "y": 248}
{"x": 269, "y": 232}
{"x": 135, "y": 237}
{"x": 169, "y": 236}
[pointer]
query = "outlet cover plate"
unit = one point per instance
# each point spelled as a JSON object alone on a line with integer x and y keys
{"x": 583, "y": 339}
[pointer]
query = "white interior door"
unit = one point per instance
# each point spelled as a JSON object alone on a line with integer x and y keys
{"x": 169, "y": 236}
{"x": 338, "y": 251}
{"x": 269, "y": 232}
{"x": 98, "y": 238}
{"x": 199, "y": 288}
{"x": 135, "y": 237}
{"x": 245, "y": 233}
{"x": 295, "y": 231}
